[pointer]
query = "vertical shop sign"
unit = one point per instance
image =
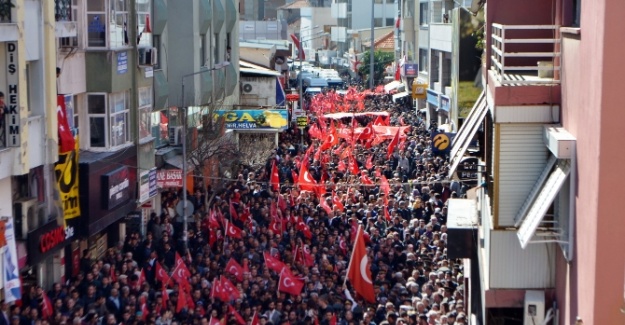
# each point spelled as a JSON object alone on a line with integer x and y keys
{"x": 12, "y": 283}
{"x": 12, "y": 98}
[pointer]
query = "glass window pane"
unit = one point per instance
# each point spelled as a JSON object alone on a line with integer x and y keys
{"x": 96, "y": 104}
{"x": 97, "y": 132}
{"x": 145, "y": 96}
{"x": 95, "y": 5}
{"x": 118, "y": 102}
{"x": 159, "y": 128}
{"x": 118, "y": 32}
{"x": 145, "y": 116}
{"x": 119, "y": 129}
{"x": 96, "y": 31}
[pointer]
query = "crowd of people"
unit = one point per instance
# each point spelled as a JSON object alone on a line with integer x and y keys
{"x": 169, "y": 277}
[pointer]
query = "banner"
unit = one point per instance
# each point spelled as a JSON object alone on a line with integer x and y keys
{"x": 66, "y": 172}
{"x": 66, "y": 139}
{"x": 169, "y": 178}
{"x": 249, "y": 119}
{"x": 12, "y": 283}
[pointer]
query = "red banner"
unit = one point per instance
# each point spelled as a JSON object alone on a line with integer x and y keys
{"x": 169, "y": 178}
{"x": 66, "y": 138}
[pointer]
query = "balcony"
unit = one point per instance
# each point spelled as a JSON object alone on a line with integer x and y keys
{"x": 524, "y": 65}
{"x": 525, "y": 54}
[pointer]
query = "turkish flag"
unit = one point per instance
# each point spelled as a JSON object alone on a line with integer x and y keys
{"x": 290, "y": 284}
{"x": 182, "y": 300}
{"x": 275, "y": 226}
{"x": 369, "y": 162}
{"x": 337, "y": 202}
{"x": 234, "y": 268}
{"x": 300, "y": 51}
{"x": 398, "y": 22}
{"x": 218, "y": 292}
{"x": 342, "y": 166}
{"x": 233, "y": 231}
{"x": 281, "y": 203}
{"x": 397, "y": 73}
{"x": 165, "y": 297}
{"x": 393, "y": 144}
{"x": 381, "y": 121}
{"x": 273, "y": 263}
{"x": 66, "y": 138}
{"x": 214, "y": 321}
{"x": 181, "y": 272}
{"x": 230, "y": 289}
{"x": 309, "y": 260}
{"x": 236, "y": 315}
{"x": 305, "y": 181}
{"x": 144, "y": 311}
{"x": 161, "y": 274}
{"x": 325, "y": 206}
{"x": 331, "y": 139}
{"x": 384, "y": 186}
{"x": 233, "y": 211}
{"x": 295, "y": 177}
{"x": 255, "y": 320}
{"x": 141, "y": 279}
{"x": 353, "y": 165}
{"x": 46, "y": 309}
{"x": 365, "y": 179}
{"x": 275, "y": 177}
{"x": 358, "y": 272}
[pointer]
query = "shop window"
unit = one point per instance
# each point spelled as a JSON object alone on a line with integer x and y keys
{"x": 108, "y": 117}
{"x": 145, "y": 113}
{"x": 96, "y": 23}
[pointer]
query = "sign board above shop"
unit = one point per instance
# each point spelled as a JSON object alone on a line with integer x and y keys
{"x": 46, "y": 240}
{"x": 259, "y": 119}
{"x": 116, "y": 188}
{"x": 169, "y": 178}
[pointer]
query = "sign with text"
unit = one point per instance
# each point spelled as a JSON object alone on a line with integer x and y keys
{"x": 12, "y": 104}
{"x": 45, "y": 240}
{"x": 250, "y": 119}
{"x": 147, "y": 185}
{"x": 66, "y": 172}
{"x": 444, "y": 103}
{"x": 169, "y": 178}
{"x": 411, "y": 70}
{"x": 12, "y": 282}
{"x": 122, "y": 62}
{"x": 116, "y": 188}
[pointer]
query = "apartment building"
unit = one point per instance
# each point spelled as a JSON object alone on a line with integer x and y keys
{"x": 547, "y": 223}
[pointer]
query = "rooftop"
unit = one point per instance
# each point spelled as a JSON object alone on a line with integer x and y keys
{"x": 385, "y": 42}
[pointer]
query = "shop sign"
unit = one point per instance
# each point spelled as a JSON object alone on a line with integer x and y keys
{"x": 12, "y": 99}
{"x": 302, "y": 121}
{"x": 432, "y": 97}
{"x": 47, "y": 239}
{"x": 411, "y": 69}
{"x": 147, "y": 185}
{"x": 419, "y": 91}
{"x": 444, "y": 103}
{"x": 169, "y": 178}
{"x": 122, "y": 62}
{"x": 117, "y": 188}
{"x": 251, "y": 119}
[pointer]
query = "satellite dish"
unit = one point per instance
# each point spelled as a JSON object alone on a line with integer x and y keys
{"x": 189, "y": 211}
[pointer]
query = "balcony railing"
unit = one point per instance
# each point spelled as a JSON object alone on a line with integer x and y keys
{"x": 525, "y": 54}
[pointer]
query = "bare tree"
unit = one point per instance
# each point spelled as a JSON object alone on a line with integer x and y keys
{"x": 256, "y": 149}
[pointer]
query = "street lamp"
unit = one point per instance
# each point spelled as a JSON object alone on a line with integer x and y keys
{"x": 183, "y": 108}
{"x": 301, "y": 81}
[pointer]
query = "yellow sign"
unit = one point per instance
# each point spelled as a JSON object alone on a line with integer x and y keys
{"x": 419, "y": 91}
{"x": 66, "y": 172}
{"x": 441, "y": 141}
{"x": 302, "y": 121}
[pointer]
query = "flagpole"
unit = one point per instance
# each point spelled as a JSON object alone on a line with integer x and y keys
{"x": 351, "y": 258}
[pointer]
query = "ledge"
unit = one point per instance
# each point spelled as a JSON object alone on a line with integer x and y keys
{"x": 571, "y": 30}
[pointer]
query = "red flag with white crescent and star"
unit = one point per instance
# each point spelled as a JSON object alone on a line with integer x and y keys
{"x": 290, "y": 284}
{"x": 234, "y": 268}
{"x": 161, "y": 274}
{"x": 236, "y": 315}
{"x": 230, "y": 289}
{"x": 273, "y": 263}
{"x": 232, "y": 230}
{"x": 182, "y": 300}
{"x": 358, "y": 272}
{"x": 337, "y": 202}
{"x": 393, "y": 144}
{"x": 275, "y": 177}
{"x": 255, "y": 319}
{"x": 305, "y": 181}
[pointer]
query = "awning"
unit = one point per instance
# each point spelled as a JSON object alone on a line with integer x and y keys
{"x": 175, "y": 161}
{"x": 400, "y": 95}
{"x": 541, "y": 197}
{"x": 280, "y": 95}
{"x": 466, "y": 132}
{"x": 393, "y": 85}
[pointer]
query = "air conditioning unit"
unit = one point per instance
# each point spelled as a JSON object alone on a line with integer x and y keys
{"x": 247, "y": 88}
{"x": 25, "y": 217}
{"x": 175, "y": 135}
{"x": 534, "y": 307}
{"x": 147, "y": 56}
{"x": 68, "y": 42}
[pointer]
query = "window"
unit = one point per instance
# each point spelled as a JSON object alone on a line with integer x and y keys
{"x": 96, "y": 23}
{"x": 119, "y": 23}
{"x": 577, "y": 4}
{"x": 143, "y": 13}
{"x": 228, "y": 50}
{"x": 157, "y": 45}
{"x": 108, "y": 128}
{"x": 390, "y": 21}
{"x": 63, "y": 10}
{"x": 216, "y": 49}
{"x": 424, "y": 14}
{"x": 423, "y": 60}
{"x": 145, "y": 112}
{"x": 160, "y": 123}
{"x": 202, "y": 50}
{"x": 377, "y": 22}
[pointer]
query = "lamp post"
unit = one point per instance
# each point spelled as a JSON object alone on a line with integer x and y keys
{"x": 372, "y": 48}
{"x": 183, "y": 108}
{"x": 301, "y": 81}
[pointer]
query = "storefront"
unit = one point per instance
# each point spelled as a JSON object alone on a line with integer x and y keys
{"x": 108, "y": 192}
{"x": 45, "y": 252}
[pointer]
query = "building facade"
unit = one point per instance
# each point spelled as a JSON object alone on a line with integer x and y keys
{"x": 548, "y": 205}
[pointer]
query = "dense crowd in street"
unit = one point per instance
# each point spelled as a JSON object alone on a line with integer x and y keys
{"x": 248, "y": 234}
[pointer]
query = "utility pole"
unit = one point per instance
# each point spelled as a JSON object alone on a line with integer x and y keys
{"x": 372, "y": 47}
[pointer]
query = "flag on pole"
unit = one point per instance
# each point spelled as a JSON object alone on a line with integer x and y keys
{"x": 290, "y": 284}
{"x": 358, "y": 271}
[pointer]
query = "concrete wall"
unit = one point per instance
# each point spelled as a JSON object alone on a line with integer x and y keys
{"x": 263, "y": 91}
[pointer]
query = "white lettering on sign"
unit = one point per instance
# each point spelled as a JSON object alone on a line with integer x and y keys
{"x": 12, "y": 98}
{"x": 115, "y": 190}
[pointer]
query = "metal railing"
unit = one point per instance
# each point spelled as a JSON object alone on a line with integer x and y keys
{"x": 525, "y": 54}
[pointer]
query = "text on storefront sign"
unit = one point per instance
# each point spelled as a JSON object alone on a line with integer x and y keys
{"x": 12, "y": 100}
{"x": 55, "y": 237}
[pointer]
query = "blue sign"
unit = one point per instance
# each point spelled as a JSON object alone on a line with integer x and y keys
{"x": 444, "y": 103}
{"x": 249, "y": 119}
{"x": 122, "y": 62}
{"x": 432, "y": 97}
{"x": 411, "y": 70}
{"x": 152, "y": 182}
